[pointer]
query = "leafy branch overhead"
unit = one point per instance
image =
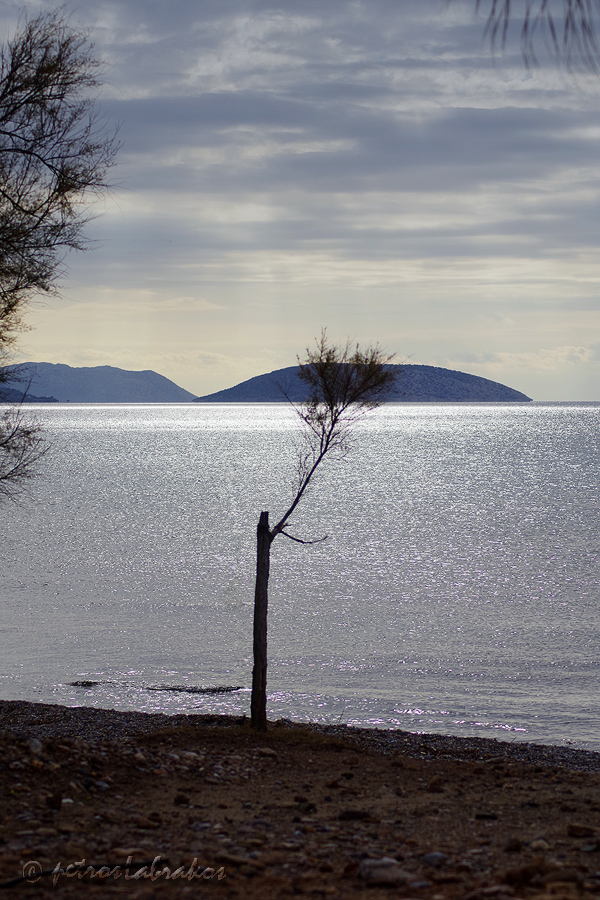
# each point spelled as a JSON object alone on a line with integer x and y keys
{"x": 566, "y": 29}
{"x": 55, "y": 152}
{"x": 21, "y": 448}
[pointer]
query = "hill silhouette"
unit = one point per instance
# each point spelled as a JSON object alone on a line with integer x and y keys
{"x": 416, "y": 384}
{"x": 47, "y": 382}
{"x": 93, "y": 384}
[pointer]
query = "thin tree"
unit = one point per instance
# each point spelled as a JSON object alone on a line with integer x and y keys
{"x": 343, "y": 383}
{"x": 55, "y": 152}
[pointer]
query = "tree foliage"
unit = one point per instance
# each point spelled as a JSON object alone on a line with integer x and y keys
{"x": 54, "y": 156}
{"x": 22, "y": 445}
{"x": 566, "y": 29}
{"x": 55, "y": 153}
{"x": 343, "y": 384}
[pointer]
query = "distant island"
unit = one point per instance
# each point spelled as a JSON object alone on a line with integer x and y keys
{"x": 59, "y": 383}
{"x": 46, "y": 382}
{"x": 416, "y": 384}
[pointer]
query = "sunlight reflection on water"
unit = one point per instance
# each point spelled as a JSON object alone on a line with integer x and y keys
{"x": 457, "y": 591}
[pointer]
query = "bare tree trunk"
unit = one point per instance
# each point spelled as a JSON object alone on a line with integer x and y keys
{"x": 258, "y": 702}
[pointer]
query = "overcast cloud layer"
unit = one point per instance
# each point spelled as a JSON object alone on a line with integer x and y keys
{"x": 357, "y": 164}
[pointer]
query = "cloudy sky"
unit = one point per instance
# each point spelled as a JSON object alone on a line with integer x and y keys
{"x": 363, "y": 165}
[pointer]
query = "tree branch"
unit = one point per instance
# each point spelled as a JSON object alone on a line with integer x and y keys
{"x": 573, "y": 42}
{"x": 300, "y": 540}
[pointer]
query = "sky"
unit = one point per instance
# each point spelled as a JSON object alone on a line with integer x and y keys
{"x": 365, "y": 166}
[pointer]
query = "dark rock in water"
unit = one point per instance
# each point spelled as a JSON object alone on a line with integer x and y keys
{"x": 173, "y": 688}
{"x": 415, "y": 384}
{"x": 189, "y": 689}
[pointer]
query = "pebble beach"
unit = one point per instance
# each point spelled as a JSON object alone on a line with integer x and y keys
{"x": 140, "y": 802}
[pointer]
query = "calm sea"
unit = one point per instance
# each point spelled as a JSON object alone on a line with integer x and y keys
{"x": 458, "y": 590}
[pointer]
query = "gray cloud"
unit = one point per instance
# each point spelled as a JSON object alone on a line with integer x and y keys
{"x": 358, "y": 144}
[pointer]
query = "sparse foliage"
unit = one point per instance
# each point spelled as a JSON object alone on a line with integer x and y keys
{"x": 21, "y": 448}
{"x": 54, "y": 157}
{"x": 55, "y": 152}
{"x": 343, "y": 384}
{"x": 567, "y": 30}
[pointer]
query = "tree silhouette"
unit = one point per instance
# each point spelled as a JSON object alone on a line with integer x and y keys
{"x": 21, "y": 447}
{"x": 55, "y": 152}
{"x": 343, "y": 383}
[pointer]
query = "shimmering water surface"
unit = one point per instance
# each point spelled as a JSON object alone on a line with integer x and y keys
{"x": 458, "y": 590}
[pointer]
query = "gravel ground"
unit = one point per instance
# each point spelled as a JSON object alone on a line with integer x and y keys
{"x": 44, "y": 720}
{"x": 326, "y": 811}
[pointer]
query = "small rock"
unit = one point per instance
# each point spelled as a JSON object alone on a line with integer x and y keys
{"x": 307, "y": 807}
{"x": 385, "y": 871}
{"x": 354, "y": 815}
{"x": 495, "y": 890}
{"x": 436, "y": 785}
{"x": 580, "y": 831}
{"x": 539, "y": 844}
{"x": 35, "y": 746}
{"x": 146, "y": 823}
{"x": 562, "y": 875}
{"x": 267, "y": 751}
{"x": 54, "y": 801}
{"x": 522, "y": 875}
{"x": 102, "y": 785}
{"x": 435, "y": 859}
{"x": 464, "y": 866}
{"x": 513, "y": 845}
